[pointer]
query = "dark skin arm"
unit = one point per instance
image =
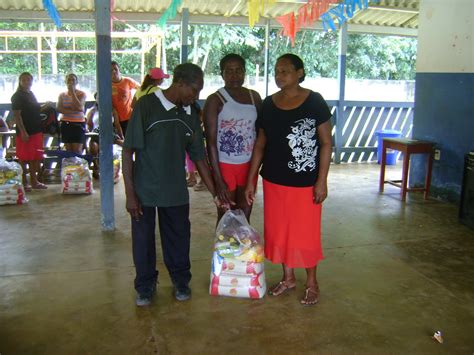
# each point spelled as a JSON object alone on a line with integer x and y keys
{"x": 132, "y": 203}
{"x": 325, "y": 149}
{"x": 20, "y": 125}
{"x": 205, "y": 174}
{"x": 255, "y": 163}
{"x": 89, "y": 116}
{"x": 211, "y": 110}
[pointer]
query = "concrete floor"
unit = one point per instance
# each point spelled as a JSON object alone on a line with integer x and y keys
{"x": 394, "y": 273}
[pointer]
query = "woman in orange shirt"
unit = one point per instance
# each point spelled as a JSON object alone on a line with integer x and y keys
{"x": 122, "y": 97}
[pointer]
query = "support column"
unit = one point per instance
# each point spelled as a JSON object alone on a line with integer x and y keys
{"x": 184, "y": 36}
{"x": 341, "y": 77}
{"x": 267, "y": 54}
{"x": 104, "y": 90}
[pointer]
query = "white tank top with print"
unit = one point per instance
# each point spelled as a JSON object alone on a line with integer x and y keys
{"x": 235, "y": 129}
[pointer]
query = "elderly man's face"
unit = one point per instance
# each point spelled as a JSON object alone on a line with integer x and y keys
{"x": 189, "y": 93}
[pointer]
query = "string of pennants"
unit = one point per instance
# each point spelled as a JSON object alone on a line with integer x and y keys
{"x": 328, "y": 11}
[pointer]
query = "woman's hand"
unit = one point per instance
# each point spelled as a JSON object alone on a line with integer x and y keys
{"x": 25, "y": 136}
{"x": 222, "y": 193}
{"x": 250, "y": 194}
{"x": 320, "y": 191}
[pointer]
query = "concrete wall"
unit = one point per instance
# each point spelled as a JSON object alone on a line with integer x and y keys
{"x": 444, "y": 91}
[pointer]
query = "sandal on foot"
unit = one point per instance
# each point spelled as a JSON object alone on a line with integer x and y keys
{"x": 311, "y": 296}
{"x": 27, "y": 188}
{"x": 280, "y": 288}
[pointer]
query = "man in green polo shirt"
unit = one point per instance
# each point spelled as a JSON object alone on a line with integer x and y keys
{"x": 164, "y": 126}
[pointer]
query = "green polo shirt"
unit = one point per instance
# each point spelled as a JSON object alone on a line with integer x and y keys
{"x": 160, "y": 135}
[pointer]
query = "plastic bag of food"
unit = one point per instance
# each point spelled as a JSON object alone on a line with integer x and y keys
{"x": 116, "y": 163}
{"x": 11, "y": 187}
{"x": 76, "y": 176}
{"x": 237, "y": 262}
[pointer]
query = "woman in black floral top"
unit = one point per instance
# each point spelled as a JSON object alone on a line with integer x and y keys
{"x": 294, "y": 149}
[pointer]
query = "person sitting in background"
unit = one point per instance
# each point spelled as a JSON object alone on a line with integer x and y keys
{"x": 92, "y": 120}
{"x": 29, "y": 136}
{"x": 71, "y": 104}
{"x": 151, "y": 83}
{"x": 122, "y": 98}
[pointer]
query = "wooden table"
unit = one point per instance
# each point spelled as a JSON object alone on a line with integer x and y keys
{"x": 407, "y": 147}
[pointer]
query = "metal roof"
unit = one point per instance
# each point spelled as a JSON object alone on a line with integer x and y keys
{"x": 383, "y": 16}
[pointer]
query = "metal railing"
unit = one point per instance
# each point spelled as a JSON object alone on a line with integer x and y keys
{"x": 358, "y": 124}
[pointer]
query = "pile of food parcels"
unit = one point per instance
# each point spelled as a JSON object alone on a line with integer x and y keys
{"x": 238, "y": 260}
{"x": 11, "y": 186}
{"x": 75, "y": 176}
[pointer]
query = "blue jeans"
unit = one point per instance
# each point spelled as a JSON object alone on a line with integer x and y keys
{"x": 175, "y": 233}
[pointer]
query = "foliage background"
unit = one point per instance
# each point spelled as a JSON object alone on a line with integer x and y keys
{"x": 368, "y": 56}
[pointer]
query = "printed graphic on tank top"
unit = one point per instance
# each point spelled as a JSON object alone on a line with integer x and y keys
{"x": 235, "y": 129}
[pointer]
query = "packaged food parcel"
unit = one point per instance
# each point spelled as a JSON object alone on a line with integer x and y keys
{"x": 237, "y": 262}
{"x": 76, "y": 176}
{"x": 11, "y": 186}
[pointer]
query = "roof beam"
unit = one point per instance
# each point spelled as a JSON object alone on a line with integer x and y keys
{"x": 140, "y": 17}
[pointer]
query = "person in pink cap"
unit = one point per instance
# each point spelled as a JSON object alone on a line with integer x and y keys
{"x": 150, "y": 83}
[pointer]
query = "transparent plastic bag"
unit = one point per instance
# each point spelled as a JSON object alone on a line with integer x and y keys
{"x": 117, "y": 156}
{"x": 237, "y": 262}
{"x": 76, "y": 176}
{"x": 11, "y": 186}
{"x": 236, "y": 238}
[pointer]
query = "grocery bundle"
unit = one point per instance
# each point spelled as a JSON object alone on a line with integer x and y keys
{"x": 76, "y": 176}
{"x": 11, "y": 187}
{"x": 238, "y": 261}
{"x": 116, "y": 162}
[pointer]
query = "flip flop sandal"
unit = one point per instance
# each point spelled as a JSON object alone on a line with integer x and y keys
{"x": 311, "y": 297}
{"x": 282, "y": 287}
{"x": 27, "y": 188}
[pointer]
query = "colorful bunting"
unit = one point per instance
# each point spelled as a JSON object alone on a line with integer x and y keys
{"x": 170, "y": 12}
{"x": 342, "y": 12}
{"x": 52, "y": 12}
{"x": 307, "y": 14}
{"x": 319, "y": 9}
{"x": 256, "y": 8}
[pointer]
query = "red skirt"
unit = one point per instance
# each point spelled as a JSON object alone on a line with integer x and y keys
{"x": 30, "y": 150}
{"x": 292, "y": 226}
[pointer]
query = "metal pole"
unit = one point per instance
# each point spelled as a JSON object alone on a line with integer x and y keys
{"x": 341, "y": 76}
{"x": 267, "y": 54}
{"x": 184, "y": 35}
{"x": 104, "y": 89}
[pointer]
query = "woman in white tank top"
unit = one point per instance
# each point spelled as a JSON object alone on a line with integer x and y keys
{"x": 229, "y": 120}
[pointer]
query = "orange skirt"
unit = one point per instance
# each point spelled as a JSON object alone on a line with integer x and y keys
{"x": 292, "y": 226}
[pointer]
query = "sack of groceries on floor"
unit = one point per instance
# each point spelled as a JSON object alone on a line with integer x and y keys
{"x": 11, "y": 186}
{"x": 76, "y": 176}
{"x": 116, "y": 163}
{"x": 237, "y": 262}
